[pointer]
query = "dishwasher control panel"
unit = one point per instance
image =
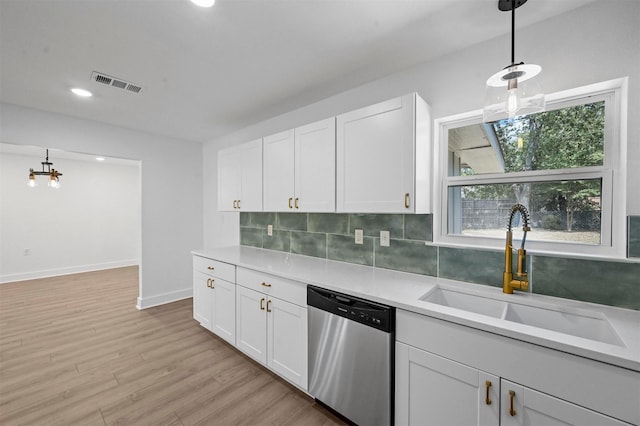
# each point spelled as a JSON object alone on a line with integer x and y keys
{"x": 376, "y": 315}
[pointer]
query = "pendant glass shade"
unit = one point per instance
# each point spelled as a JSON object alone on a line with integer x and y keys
{"x": 515, "y": 90}
{"x": 32, "y": 179}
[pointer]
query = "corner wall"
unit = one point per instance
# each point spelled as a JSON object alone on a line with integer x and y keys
{"x": 171, "y": 189}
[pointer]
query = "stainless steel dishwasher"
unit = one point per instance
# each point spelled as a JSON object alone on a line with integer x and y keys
{"x": 351, "y": 355}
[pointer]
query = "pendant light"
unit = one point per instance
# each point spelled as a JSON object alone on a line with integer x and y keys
{"x": 516, "y": 89}
{"x": 52, "y": 174}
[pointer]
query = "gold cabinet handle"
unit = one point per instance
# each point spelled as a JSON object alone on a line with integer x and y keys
{"x": 210, "y": 282}
{"x": 268, "y": 304}
{"x": 289, "y": 202}
{"x": 261, "y": 304}
{"x": 512, "y": 395}
{"x": 235, "y": 203}
{"x": 238, "y": 203}
{"x": 211, "y": 268}
{"x": 296, "y": 203}
{"x": 406, "y": 200}
{"x": 265, "y": 285}
{"x": 487, "y": 400}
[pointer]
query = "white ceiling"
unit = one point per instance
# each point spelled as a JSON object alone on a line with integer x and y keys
{"x": 209, "y": 72}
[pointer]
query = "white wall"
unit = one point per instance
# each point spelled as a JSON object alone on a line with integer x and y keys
{"x": 90, "y": 223}
{"x": 171, "y": 189}
{"x": 595, "y": 43}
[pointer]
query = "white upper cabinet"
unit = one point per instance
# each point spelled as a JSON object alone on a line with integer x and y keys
{"x": 383, "y": 158}
{"x": 299, "y": 169}
{"x": 240, "y": 177}
{"x": 278, "y": 164}
{"x": 315, "y": 174}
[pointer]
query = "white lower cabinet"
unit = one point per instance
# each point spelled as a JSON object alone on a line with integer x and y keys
{"x": 251, "y": 321}
{"x": 214, "y": 305}
{"x": 224, "y": 312}
{"x": 431, "y": 390}
{"x": 214, "y": 297}
{"x": 202, "y": 299}
{"x": 274, "y": 333}
{"x": 526, "y": 407}
{"x": 448, "y": 374}
{"x": 435, "y": 391}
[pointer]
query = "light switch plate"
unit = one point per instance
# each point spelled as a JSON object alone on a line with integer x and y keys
{"x": 359, "y": 236}
{"x": 270, "y": 230}
{"x": 384, "y": 238}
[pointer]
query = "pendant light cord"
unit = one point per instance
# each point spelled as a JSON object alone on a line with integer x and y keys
{"x": 513, "y": 32}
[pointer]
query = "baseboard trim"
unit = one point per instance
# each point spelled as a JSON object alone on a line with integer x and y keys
{"x": 164, "y": 298}
{"x": 4, "y": 279}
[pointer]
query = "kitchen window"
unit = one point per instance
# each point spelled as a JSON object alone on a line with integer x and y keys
{"x": 566, "y": 165}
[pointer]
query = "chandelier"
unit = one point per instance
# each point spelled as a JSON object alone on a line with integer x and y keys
{"x": 53, "y": 174}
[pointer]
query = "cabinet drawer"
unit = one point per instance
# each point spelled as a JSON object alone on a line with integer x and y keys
{"x": 214, "y": 268}
{"x": 282, "y": 288}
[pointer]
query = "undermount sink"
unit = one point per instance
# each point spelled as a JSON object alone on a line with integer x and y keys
{"x": 466, "y": 302}
{"x": 585, "y": 324}
{"x": 588, "y": 325}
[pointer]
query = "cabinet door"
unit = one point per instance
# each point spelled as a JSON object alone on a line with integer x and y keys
{"x": 375, "y": 157}
{"x": 202, "y": 299}
{"x": 278, "y": 163}
{"x": 224, "y": 310}
{"x": 431, "y": 390}
{"x": 251, "y": 323}
{"x": 522, "y": 406}
{"x": 251, "y": 179}
{"x": 287, "y": 345}
{"x": 229, "y": 178}
{"x": 315, "y": 171}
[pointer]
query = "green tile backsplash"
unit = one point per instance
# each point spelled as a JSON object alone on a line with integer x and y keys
{"x": 633, "y": 231}
{"x": 605, "y": 282}
{"x": 330, "y": 236}
{"x": 472, "y": 265}
{"x": 407, "y": 256}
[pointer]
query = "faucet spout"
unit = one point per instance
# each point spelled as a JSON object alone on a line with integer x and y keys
{"x": 508, "y": 282}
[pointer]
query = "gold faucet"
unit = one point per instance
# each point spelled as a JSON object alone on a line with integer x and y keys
{"x": 522, "y": 283}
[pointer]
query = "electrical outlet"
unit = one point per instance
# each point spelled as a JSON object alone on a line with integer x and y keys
{"x": 359, "y": 236}
{"x": 270, "y": 230}
{"x": 384, "y": 238}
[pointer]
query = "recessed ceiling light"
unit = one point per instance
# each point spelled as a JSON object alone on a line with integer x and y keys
{"x": 203, "y": 3}
{"x": 99, "y": 158}
{"x": 81, "y": 92}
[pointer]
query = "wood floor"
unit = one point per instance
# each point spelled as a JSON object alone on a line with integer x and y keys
{"x": 75, "y": 350}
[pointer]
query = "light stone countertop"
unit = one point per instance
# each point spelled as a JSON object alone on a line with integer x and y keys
{"x": 403, "y": 290}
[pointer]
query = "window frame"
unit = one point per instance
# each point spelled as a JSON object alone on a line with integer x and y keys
{"x": 613, "y": 170}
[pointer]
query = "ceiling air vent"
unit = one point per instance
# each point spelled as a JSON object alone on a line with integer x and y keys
{"x": 118, "y": 83}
